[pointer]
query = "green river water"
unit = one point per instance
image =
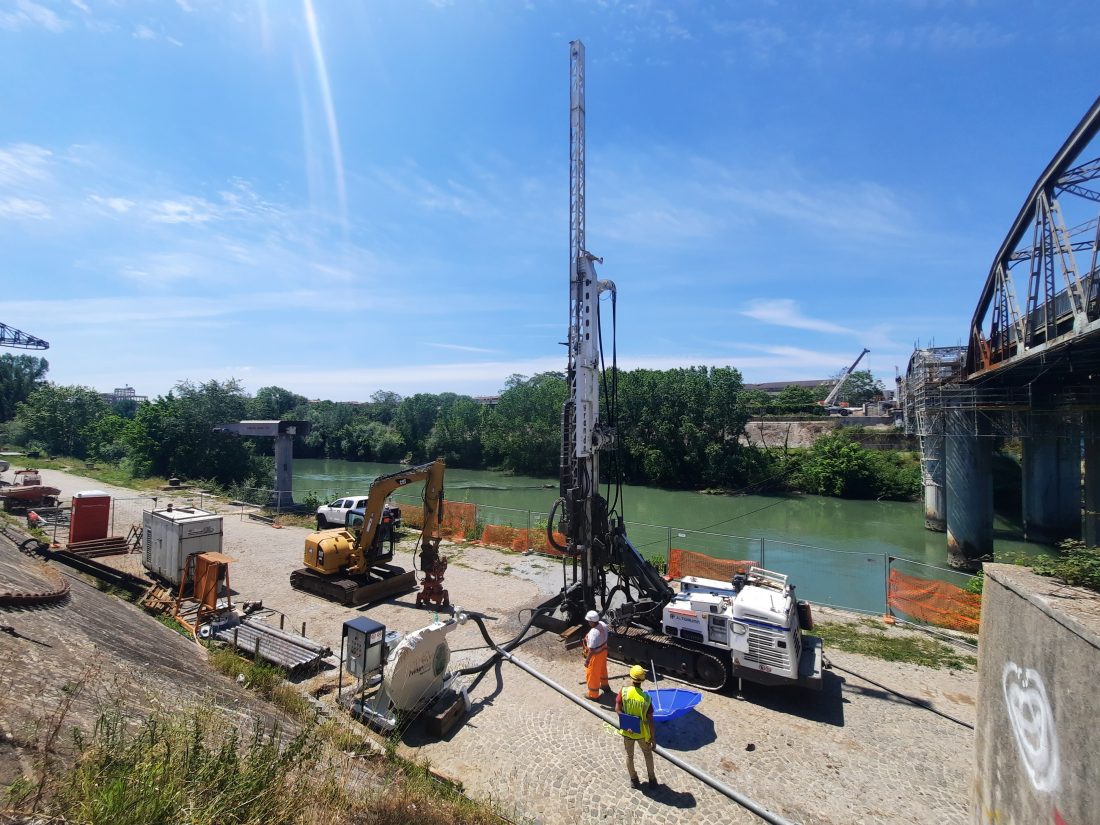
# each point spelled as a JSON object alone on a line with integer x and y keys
{"x": 834, "y": 550}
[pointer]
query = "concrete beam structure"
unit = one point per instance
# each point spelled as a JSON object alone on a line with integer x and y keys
{"x": 1091, "y": 430}
{"x": 933, "y": 482}
{"x": 969, "y": 490}
{"x": 283, "y": 432}
{"x": 1052, "y": 486}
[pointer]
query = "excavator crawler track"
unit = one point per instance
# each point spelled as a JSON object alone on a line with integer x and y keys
{"x": 382, "y": 582}
{"x": 633, "y": 645}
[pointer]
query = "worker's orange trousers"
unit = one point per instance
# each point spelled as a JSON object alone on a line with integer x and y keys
{"x": 595, "y": 673}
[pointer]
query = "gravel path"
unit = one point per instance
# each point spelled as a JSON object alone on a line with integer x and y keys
{"x": 853, "y": 753}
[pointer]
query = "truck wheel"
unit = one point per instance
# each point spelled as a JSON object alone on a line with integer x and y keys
{"x": 321, "y": 523}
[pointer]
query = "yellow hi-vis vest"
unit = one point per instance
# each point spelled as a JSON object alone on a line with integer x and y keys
{"x": 635, "y": 702}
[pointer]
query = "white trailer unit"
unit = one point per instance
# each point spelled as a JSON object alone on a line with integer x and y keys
{"x": 170, "y": 535}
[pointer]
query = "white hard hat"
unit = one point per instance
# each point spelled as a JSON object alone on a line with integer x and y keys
{"x": 591, "y": 616}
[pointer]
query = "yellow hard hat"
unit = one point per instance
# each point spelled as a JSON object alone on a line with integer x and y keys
{"x": 637, "y": 673}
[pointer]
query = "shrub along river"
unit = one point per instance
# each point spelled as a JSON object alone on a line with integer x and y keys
{"x": 833, "y": 549}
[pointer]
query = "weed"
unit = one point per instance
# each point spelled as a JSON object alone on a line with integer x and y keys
{"x": 872, "y": 639}
{"x": 170, "y": 622}
{"x": 1076, "y": 564}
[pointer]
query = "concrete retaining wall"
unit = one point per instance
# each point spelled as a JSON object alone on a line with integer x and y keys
{"x": 1038, "y": 733}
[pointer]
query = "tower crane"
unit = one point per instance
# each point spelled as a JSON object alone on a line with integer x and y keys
{"x": 750, "y": 627}
{"x": 12, "y": 337}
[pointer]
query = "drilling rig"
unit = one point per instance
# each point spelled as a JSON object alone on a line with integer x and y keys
{"x": 749, "y": 627}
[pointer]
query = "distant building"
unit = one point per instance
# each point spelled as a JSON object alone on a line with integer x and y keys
{"x": 776, "y": 387}
{"x": 122, "y": 394}
{"x": 487, "y": 400}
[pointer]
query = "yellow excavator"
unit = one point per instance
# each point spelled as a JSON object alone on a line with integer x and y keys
{"x": 351, "y": 565}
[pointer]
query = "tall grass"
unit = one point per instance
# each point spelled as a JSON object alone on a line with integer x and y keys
{"x": 186, "y": 769}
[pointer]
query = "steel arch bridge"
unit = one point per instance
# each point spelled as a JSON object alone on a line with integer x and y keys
{"x": 1049, "y": 256}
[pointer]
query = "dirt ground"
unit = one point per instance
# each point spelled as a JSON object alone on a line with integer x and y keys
{"x": 852, "y": 753}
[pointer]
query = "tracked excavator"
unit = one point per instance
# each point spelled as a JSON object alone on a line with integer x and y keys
{"x": 352, "y": 565}
{"x": 707, "y": 632}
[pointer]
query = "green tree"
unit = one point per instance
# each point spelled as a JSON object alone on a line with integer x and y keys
{"x": 58, "y": 417}
{"x": 415, "y": 417}
{"x": 860, "y": 388}
{"x": 456, "y": 435}
{"x": 273, "y": 403}
{"x": 174, "y": 435}
{"x": 383, "y": 406}
{"x": 523, "y": 432}
{"x": 681, "y": 427}
{"x": 19, "y": 375}
{"x": 794, "y": 399}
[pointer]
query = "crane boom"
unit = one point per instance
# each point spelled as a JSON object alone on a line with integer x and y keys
{"x": 12, "y": 337}
{"x": 835, "y": 391}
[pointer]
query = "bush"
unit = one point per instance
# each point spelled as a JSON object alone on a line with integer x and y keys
{"x": 1076, "y": 564}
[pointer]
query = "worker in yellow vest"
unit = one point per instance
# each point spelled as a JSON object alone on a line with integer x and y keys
{"x": 635, "y": 711}
{"x": 595, "y": 655}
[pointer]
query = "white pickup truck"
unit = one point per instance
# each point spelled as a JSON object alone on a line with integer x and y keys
{"x": 336, "y": 512}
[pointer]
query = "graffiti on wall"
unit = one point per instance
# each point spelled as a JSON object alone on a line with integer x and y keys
{"x": 1032, "y": 722}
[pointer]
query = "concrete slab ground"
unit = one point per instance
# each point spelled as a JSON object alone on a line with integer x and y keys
{"x": 851, "y": 754}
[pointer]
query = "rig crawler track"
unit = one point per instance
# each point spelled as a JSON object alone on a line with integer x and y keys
{"x": 701, "y": 668}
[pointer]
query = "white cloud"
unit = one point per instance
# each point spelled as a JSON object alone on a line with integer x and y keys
{"x": 184, "y": 210}
{"x": 786, "y": 313}
{"x": 143, "y": 32}
{"x": 80, "y": 4}
{"x": 22, "y": 208}
{"x": 22, "y": 162}
{"x": 118, "y": 205}
{"x": 460, "y": 347}
{"x": 183, "y": 4}
{"x": 28, "y": 15}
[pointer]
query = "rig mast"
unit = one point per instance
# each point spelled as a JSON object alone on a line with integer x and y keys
{"x": 584, "y": 519}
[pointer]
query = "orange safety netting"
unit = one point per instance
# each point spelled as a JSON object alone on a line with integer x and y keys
{"x": 689, "y": 563}
{"x": 935, "y": 602}
{"x": 520, "y": 539}
{"x": 459, "y": 519}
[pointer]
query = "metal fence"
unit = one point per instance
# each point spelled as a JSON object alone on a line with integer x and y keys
{"x": 847, "y": 579}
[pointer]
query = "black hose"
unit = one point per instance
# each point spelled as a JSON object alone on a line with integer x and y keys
{"x": 498, "y": 649}
{"x": 550, "y": 526}
{"x": 920, "y": 703}
{"x": 730, "y": 793}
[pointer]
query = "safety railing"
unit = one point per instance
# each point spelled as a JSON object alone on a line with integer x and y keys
{"x": 859, "y": 580}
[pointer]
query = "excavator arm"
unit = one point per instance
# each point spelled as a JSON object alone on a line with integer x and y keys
{"x": 364, "y": 553}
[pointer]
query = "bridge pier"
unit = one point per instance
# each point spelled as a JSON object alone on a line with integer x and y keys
{"x": 969, "y": 490}
{"x": 1051, "y": 487}
{"x": 935, "y": 493}
{"x": 1091, "y": 427}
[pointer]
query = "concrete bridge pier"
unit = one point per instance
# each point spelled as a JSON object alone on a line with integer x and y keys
{"x": 1091, "y": 427}
{"x": 283, "y": 495}
{"x": 935, "y": 493}
{"x": 969, "y": 489}
{"x": 1052, "y": 486}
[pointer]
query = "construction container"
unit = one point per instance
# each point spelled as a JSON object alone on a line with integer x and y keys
{"x": 90, "y": 516}
{"x": 170, "y": 535}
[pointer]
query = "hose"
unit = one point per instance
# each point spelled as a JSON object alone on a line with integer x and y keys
{"x": 920, "y": 703}
{"x": 550, "y": 527}
{"x": 742, "y": 800}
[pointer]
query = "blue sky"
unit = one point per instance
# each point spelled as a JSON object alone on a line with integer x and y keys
{"x": 342, "y": 197}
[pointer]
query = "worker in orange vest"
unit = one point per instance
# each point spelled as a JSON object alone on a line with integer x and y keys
{"x": 595, "y": 655}
{"x": 635, "y": 710}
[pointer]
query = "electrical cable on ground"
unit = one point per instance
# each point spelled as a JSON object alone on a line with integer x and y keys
{"x": 920, "y": 703}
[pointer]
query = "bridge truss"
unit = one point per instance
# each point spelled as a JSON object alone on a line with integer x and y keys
{"x": 1050, "y": 258}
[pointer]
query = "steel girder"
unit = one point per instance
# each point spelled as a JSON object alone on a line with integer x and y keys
{"x": 1063, "y": 297}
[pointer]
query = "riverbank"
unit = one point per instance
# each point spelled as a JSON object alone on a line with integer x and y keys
{"x": 849, "y": 754}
